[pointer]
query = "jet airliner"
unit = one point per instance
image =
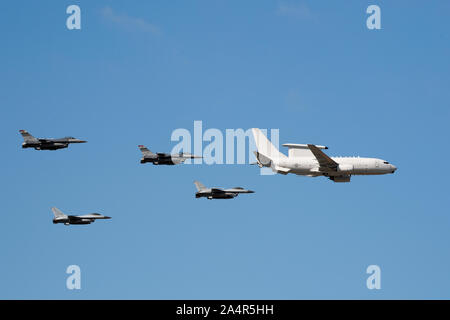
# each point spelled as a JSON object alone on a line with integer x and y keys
{"x": 309, "y": 160}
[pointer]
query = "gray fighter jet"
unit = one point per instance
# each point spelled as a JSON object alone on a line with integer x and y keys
{"x": 164, "y": 158}
{"x": 46, "y": 144}
{"x": 218, "y": 193}
{"x": 83, "y": 219}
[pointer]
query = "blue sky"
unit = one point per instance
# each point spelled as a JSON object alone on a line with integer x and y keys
{"x": 138, "y": 70}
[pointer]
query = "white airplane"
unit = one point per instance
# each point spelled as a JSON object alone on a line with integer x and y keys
{"x": 309, "y": 160}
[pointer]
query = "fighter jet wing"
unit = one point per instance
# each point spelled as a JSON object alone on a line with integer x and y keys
{"x": 324, "y": 160}
{"x": 238, "y": 190}
{"x": 92, "y": 216}
{"x": 190, "y": 156}
{"x": 217, "y": 190}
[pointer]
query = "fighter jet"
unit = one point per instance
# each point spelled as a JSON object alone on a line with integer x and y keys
{"x": 83, "y": 219}
{"x": 164, "y": 158}
{"x": 309, "y": 160}
{"x": 218, "y": 193}
{"x": 46, "y": 144}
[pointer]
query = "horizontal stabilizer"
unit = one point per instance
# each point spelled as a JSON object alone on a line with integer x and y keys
{"x": 262, "y": 160}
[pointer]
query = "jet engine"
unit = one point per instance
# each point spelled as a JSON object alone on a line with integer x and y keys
{"x": 340, "y": 178}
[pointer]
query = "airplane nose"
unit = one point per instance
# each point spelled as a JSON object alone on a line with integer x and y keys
{"x": 394, "y": 168}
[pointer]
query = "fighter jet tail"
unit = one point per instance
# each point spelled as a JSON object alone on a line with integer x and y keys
{"x": 145, "y": 151}
{"x": 28, "y": 138}
{"x": 57, "y": 212}
{"x": 266, "y": 150}
{"x": 199, "y": 186}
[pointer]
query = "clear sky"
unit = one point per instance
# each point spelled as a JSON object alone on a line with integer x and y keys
{"x": 137, "y": 70}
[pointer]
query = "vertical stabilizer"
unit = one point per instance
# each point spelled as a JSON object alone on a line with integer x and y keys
{"x": 199, "y": 186}
{"x": 58, "y": 213}
{"x": 28, "y": 138}
{"x": 265, "y": 147}
{"x": 145, "y": 151}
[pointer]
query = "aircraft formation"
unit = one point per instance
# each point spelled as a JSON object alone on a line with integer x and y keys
{"x": 302, "y": 159}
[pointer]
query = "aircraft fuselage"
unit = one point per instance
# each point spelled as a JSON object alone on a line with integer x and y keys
{"x": 68, "y": 221}
{"x": 45, "y": 146}
{"x": 167, "y": 160}
{"x": 213, "y": 195}
{"x": 346, "y": 166}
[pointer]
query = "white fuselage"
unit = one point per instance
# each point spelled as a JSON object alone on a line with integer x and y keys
{"x": 309, "y": 166}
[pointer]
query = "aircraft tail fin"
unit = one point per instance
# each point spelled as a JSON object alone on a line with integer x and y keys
{"x": 265, "y": 147}
{"x": 57, "y": 212}
{"x": 28, "y": 137}
{"x": 145, "y": 151}
{"x": 199, "y": 186}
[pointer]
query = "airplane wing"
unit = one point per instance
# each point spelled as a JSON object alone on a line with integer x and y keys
{"x": 91, "y": 216}
{"x": 217, "y": 190}
{"x": 324, "y": 160}
{"x": 238, "y": 190}
{"x": 189, "y": 156}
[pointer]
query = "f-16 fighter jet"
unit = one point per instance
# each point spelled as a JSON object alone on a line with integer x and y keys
{"x": 83, "y": 219}
{"x": 164, "y": 158}
{"x": 46, "y": 144}
{"x": 309, "y": 160}
{"x": 218, "y": 193}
